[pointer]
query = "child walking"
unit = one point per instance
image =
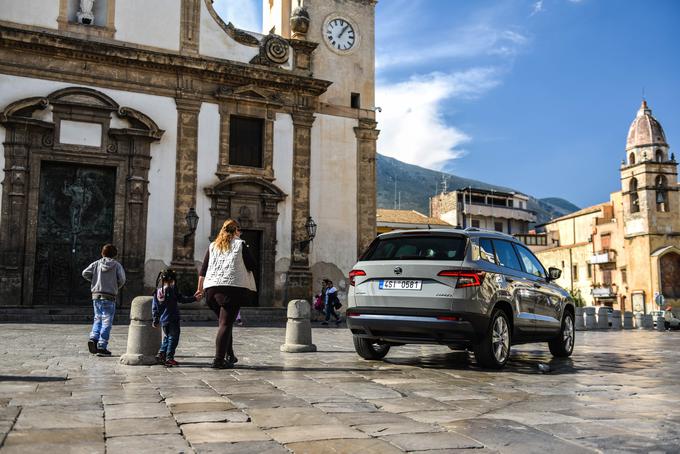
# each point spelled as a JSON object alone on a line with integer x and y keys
{"x": 106, "y": 277}
{"x": 165, "y": 311}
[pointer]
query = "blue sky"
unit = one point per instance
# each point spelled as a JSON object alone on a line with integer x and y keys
{"x": 535, "y": 95}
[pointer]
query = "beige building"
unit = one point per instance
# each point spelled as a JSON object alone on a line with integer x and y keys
{"x": 622, "y": 252}
{"x": 123, "y": 120}
{"x": 388, "y": 220}
{"x": 485, "y": 209}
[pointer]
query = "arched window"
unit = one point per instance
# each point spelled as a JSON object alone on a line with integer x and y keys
{"x": 670, "y": 275}
{"x": 661, "y": 194}
{"x": 634, "y": 199}
{"x": 659, "y": 156}
{"x": 631, "y": 159}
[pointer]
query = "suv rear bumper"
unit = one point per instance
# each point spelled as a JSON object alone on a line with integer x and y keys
{"x": 415, "y": 329}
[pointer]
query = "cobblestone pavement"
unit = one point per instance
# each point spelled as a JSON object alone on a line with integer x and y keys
{"x": 619, "y": 393}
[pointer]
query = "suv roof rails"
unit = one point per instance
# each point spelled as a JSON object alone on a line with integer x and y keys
{"x": 477, "y": 229}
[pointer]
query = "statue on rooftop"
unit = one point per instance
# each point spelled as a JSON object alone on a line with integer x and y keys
{"x": 85, "y": 15}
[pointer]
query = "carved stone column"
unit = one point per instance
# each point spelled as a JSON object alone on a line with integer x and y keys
{"x": 299, "y": 275}
{"x": 190, "y": 27}
{"x": 185, "y": 180}
{"x": 367, "y": 135}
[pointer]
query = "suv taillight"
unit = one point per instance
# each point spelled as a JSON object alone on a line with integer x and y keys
{"x": 465, "y": 278}
{"x": 354, "y": 273}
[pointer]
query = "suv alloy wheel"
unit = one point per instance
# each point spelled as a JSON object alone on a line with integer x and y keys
{"x": 562, "y": 345}
{"x": 493, "y": 350}
{"x": 369, "y": 348}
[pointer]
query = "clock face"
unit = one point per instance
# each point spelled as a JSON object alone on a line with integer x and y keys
{"x": 340, "y": 34}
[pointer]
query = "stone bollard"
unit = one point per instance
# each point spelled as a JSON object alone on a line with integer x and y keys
{"x": 143, "y": 339}
{"x": 638, "y": 320}
{"x": 660, "y": 325}
{"x": 579, "y": 325}
{"x": 590, "y": 317}
{"x": 616, "y": 319}
{"x": 648, "y": 321}
{"x": 627, "y": 320}
{"x": 602, "y": 318}
{"x": 298, "y": 328}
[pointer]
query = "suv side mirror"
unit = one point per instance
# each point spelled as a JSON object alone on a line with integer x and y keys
{"x": 554, "y": 273}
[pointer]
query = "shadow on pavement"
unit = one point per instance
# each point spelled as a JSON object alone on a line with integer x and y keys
{"x": 31, "y": 378}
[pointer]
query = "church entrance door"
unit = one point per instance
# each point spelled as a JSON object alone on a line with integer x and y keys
{"x": 75, "y": 219}
{"x": 253, "y": 239}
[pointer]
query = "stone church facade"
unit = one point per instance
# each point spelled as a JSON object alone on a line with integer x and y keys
{"x": 118, "y": 117}
{"x": 622, "y": 252}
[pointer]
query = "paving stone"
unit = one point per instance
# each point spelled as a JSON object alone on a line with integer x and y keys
{"x": 440, "y": 416}
{"x": 341, "y": 407}
{"x": 140, "y": 426}
{"x": 218, "y": 432}
{"x": 32, "y": 418}
{"x": 131, "y": 397}
{"x": 513, "y": 437}
{"x": 171, "y": 443}
{"x": 266, "y": 401}
{"x": 379, "y": 430}
{"x": 242, "y": 447}
{"x": 404, "y": 404}
{"x": 136, "y": 410}
{"x": 293, "y": 416}
{"x": 344, "y": 446}
{"x": 293, "y": 434}
{"x": 211, "y": 416}
{"x": 9, "y": 413}
{"x": 192, "y": 404}
{"x": 432, "y": 441}
{"x": 373, "y": 417}
{"x": 80, "y": 440}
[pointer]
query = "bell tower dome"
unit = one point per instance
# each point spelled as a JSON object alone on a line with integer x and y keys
{"x": 649, "y": 179}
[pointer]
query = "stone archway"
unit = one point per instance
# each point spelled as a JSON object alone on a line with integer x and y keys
{"x": 252, "y": 201}
{"x": 70, "y": 132}
{"x": 669, "y": 273}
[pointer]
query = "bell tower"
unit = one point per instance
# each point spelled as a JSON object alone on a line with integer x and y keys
{"x": 345, "y": 33}
{"x": 649, "y": 176}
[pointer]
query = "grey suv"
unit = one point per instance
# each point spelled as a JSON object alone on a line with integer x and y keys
{"x": 470, "y": 289}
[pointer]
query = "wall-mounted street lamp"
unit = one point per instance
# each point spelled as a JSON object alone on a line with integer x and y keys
{"x": 310, "y": 228}
{"x": 192, "y": 221}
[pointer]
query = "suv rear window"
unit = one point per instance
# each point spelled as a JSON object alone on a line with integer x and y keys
{"x": 412, "y": 247}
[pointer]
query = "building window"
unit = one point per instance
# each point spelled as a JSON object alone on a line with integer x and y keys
{"x": 498, "y": 226}
{"x": 607, "y": 277}
{"x": 605, "y": 241}
{"x": 574, "y": 272}
{"x": 624, "y": 276}
{"x": 631, "y": 159}
{"x": 661, "y": 194}
{"x": 245, "y": 141}
{"x": 475, "y": 223}
{"x": 590, "y": 271}
{"x": 659, "y": 156}
{"x": 355, "y": 101}
{"x": 634, "y": 198}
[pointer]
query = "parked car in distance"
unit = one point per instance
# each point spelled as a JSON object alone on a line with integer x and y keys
{"x": 470, "y": 289}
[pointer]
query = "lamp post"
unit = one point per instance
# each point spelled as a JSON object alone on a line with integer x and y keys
{"x": 310, "y": 228}
{"x": 192, "y": 221}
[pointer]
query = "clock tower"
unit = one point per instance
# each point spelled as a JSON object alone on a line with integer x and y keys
{"x": 345, "y": 31}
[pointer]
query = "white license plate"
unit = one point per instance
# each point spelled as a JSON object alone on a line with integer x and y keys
{"x": 399, "y": 284}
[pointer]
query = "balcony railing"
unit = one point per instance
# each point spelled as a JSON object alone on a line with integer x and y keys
{"x": 604, "y": 292}
{"x": 499, "y": 212}
{"x": 603, "y": 257}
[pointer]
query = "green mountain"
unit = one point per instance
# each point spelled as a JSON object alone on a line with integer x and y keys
{"x": 415, "y": 185}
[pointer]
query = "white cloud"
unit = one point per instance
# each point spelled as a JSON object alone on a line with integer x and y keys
{"x": 413, "y": 128}
{"x": 538, "y": 7}
{"x": 243, "y": 14}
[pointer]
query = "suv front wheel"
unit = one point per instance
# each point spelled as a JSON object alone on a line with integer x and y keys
{"x": 493, "y": 350}
{"x": 369, "y": 348}
{"x": 562, "y": 345}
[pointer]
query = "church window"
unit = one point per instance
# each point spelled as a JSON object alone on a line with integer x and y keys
{"x": 574, "y": 272}
{"x": 355, "y": 101}
{"x": 634, "y": 198}
{"x": 498, "y": 226}
{"x": 631, "y": 159}
{"x": 246, "y": 141}
{"x": 659, "y": 156}
{"x": 661, "y": 194}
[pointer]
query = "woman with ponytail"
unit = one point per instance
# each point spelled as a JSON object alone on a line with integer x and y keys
{"x": 226, "y": 277}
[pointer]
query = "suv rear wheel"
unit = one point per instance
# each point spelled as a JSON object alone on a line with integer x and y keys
{"x": 369, "y": 348}
{"x": 562, "y": 345}
{"x": 493, "y": 350}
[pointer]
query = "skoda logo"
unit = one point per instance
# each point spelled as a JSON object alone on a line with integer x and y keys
{"x": 397, "y": 270}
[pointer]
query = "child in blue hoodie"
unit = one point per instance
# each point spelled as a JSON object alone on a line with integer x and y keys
{"x": 165, "y": 312}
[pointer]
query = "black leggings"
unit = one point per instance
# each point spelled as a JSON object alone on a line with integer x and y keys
{"x": 225, "y": 302}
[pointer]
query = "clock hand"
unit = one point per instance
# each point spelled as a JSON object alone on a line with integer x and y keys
{"x": 343, "y": 31}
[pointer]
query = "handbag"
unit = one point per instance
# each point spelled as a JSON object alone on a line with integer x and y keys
{"x": 318, "y": 304}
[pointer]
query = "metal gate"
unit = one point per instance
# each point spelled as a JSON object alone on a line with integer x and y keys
{"x": 75, "y": 219}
